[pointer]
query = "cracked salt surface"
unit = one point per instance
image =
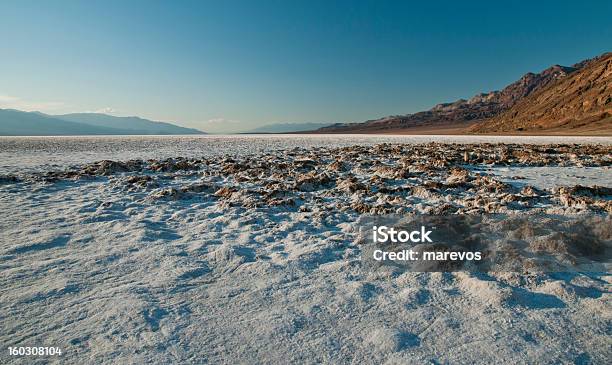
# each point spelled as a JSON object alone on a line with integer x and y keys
{"x": 547, "y": 177}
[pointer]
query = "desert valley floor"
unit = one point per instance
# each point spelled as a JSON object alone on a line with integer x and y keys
{"x": 242, "y": 249}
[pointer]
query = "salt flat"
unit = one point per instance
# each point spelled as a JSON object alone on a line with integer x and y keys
{"x": 158, "y": 262}
{"x": 33, "y": 153}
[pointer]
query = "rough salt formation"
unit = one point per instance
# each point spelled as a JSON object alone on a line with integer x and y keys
{"x": 432, "y": 178}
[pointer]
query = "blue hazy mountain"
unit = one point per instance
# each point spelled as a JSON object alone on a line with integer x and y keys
{"x": 20, "y": 123}
{"x": 135, "y": 125}
{"x": 288, "y": 127}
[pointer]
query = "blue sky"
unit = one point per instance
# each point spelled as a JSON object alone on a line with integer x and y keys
{"x": 226, "y": 66}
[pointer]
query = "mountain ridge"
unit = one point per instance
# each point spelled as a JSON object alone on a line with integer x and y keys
{"x": 580, "y": 102}
{"x": 464, "y": 115}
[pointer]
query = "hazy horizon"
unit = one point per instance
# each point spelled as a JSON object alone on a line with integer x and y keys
{"x": 232, "y": 67}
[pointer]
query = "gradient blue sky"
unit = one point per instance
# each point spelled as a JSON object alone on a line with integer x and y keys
{"x": 233, "y": 65}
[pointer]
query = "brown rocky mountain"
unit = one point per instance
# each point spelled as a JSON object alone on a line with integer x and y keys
{"x": 472, "y": 115}
{"x": 577, "y": 104}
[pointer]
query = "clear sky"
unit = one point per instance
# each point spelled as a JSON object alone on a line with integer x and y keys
{"x": 234, "y": 65}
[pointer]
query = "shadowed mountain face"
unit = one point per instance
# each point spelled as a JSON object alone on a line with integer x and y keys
{"x": 478, "y": 110}
{"x": 580, "y": 102}
{"x": 19, "y": 123}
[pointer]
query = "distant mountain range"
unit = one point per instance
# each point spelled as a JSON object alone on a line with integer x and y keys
{"x": 20, "y": 123}
{"x": 287, "y": 127}
{"x": 572, "y": 100}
